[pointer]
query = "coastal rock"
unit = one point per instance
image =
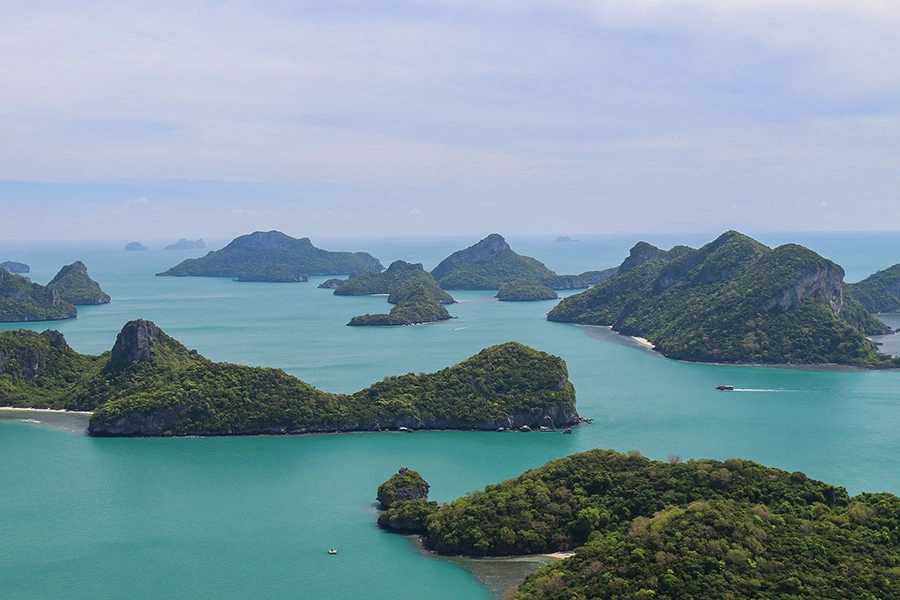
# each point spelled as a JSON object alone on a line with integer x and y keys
{"x": 525, "y": 291}
{"x": 404, "y": 485}
{"x": 75, "y": 286}
{"x": 135, "y": 247}
{"x": 15, "y": 267}
{"x": 135, "y": 343}
{"x": 23, "y": 300}
{"x": 331, "y": 284}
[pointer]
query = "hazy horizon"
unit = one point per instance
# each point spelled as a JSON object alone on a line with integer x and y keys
{"x": 447, "y": 117}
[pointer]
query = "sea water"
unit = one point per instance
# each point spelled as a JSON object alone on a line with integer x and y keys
{"x": 253, "y": 517}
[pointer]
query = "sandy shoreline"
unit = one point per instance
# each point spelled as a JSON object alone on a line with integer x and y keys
{"x": 559, "y": 555}
{"x": 47, "y": 410}
{"x": 643, "y": 342}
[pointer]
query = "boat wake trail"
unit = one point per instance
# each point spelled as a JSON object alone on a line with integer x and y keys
{"x": 461, "y": 328}
{"x": 760, "y": 390}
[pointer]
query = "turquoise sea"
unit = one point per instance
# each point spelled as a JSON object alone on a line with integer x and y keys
{"x": 252, "y": 518}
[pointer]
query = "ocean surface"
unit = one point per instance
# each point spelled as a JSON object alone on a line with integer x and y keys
{"x": 252, "y": 518}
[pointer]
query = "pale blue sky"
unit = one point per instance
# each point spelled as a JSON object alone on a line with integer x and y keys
{"x": 170, "y": 119}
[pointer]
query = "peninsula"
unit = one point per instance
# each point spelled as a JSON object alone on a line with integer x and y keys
{"x": 273, "y": 256}
{"x": 733, "y": 301}
{"x": 75, "y": 286}
{"x": 186, "y": 244}
{"x": 151, "y": 385}
{"x": 701, "y": 529}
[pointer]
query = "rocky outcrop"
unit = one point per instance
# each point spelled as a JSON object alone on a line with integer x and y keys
{"x": 404, "y": 485}
{"x": 135, "y": 342}
{"x": 22, "y": 300}
{"x": 641, "y": 253}
{"x": 332, "y": 284}
{"x": 15, "y": 267}
{"x": 75, "y": 286}
{"x": 824, "y": 284}
{"x": 135, "y": 247}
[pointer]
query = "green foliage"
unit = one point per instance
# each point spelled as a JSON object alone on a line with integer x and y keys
{"x": 403, "y": 485}
{"x": 732, "y": 549}
{"x": 75, "y": 286}
{"x": 880, "y": 292}
{"x": 176, "y": 391}
{"x": 733, "y": 300}
{"x": 577, "y": 282}
{"x": 272, "y": 255}
{"x": 390, "y": 282}
{"x": 525, "y": 291}
{"x": 418, "y": 300}
{"x": 487, "y": 265}
{"x": 407, "y": 516}
{"x": 21, "y": 300}
{"x": 857, "y": 315}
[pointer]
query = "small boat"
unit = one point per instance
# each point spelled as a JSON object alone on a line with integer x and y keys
{"x": 332, "y": 551}
{"x": 725, "y": 388}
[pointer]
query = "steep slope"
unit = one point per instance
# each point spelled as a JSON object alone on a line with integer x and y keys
{"x": 733, "y": 300}
{"x": 21, "y": 300}
{"x": 879, "y": 292}
{"x": 75, "y": 285}
{"x": 390, "y": 281}
{"x": 273, "y": 256}
{"x": 487, "y": 265}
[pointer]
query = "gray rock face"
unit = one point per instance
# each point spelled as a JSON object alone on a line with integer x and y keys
{"x": 135, "y": 343}
{"x": 822, "y": 285}
{"x": 405, "y": 485}
{"x": 641, "y": 253}
{"x": 484, "y": 251}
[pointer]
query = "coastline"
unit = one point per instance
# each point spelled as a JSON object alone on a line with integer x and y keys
{"x": 47, "y": 410}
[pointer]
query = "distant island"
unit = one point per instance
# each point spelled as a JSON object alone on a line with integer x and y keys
{"x": 696, "y": 529}
{"x": 151, "y": 385}
{"x": 733, "y": 301}
{"x": 418, "y": 300}
{"x": 136, "y": 247}
{"x": 22, "y": 300}
{"x": 492, "y": 263}
{"x": 273, "y": 256}
{"x": 15, "y": 267}
{"x": 186, "y": 244}
{"x": 880, "y": 292}
{"x": 565, "y": 238}
{"x": 525, "y": 291}
{"x": 487, "y": 265}
{"x": 75, "y": 286}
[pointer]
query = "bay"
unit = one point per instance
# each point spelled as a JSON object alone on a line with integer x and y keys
{"x": 253, "y": 517}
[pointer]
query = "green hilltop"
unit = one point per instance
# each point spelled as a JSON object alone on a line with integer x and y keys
{"x": 733, "y": 301}
{"x": 22, "y": 300}
{"x": 669, "y": 530}
{"x": 879, "y": 292}
{"x": 417, "y": 300}
{"x": 151, "y": 385}
{"x": 273, "y": 256}
{"x": 75, "y": 286}
{"x": 488, "y": 265}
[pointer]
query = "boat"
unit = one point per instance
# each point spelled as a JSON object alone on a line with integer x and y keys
{"x": 725, "y": 388}
{"x": 332, "y": 551}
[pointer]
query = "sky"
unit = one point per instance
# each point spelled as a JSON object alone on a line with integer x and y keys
{"x": 134, "y": 120}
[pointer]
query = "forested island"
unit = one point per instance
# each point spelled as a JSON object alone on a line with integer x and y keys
{"x": 652, "y": 529}
{"x": 75, "y": 285}
{"x": 23, "y": 300}
{"x": 135, "y": 247}
{"x": 151, "y": 385}
{"x": 418, "y": 300}
{"x": 15, "y": 267}
{"x": 879, "y": 292}
{"x": 525, "y": 291}
{"x": 273, "y": 256}
{"x": 733, "y": 301}
{"x": 389, "y": 282}
{"x": 487, "y": 265}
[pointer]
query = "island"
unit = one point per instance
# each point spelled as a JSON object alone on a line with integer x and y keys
{"x": 734, "y": 300}
{"x": 639, "y": 528}
{"x": 15, "y": 267}
{"x": 149, "y": 384}
{"x": 418, "y": 300}
{"x": 135, "y": 247}
{"x": 578, "y": 282}
{"x": 565, "y": 238}
{"x": 22, "y": 300}
{"x": 75, "y": 286}
{"x": 525, "y": 291}
{"x": 273, "y": 256}
{"x": 390, "y": 281}
{"x": 186, "y": 244}
{"x": 332, "y": 284}
{"x": 404, "y": 501}
{"x": 880, "y": 292}
{"x": 488, "y": 265}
